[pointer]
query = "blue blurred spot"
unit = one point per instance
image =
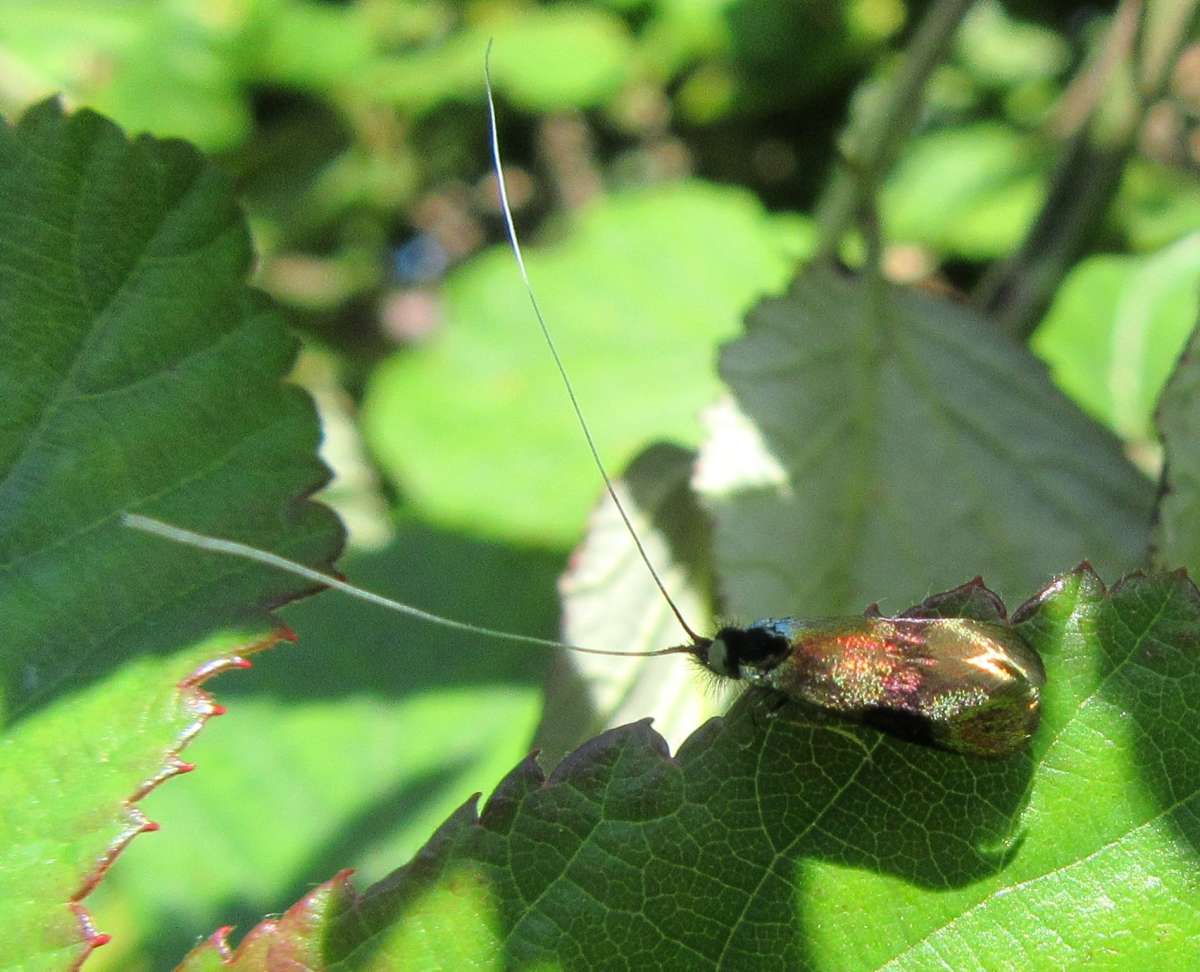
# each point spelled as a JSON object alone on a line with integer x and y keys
{"x": 419, "y": 260}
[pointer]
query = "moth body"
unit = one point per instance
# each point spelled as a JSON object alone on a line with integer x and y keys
{"x": 960, "y": 684}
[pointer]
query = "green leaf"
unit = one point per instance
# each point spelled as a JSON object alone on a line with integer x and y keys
{"x": 773, "y": 840}
{"x": 180, "y": 69}
{"x": 544, "y": 59}
{"x": 831, "y": 42}
{"x": 970, "y": 191}
{"x": 165, "y": 68}
{"x": 138, "y": 373}
{"x": 895, "y": 441}
{"x": 1116, "y": 328}
{"x": 289, "y": 937}
{"x": 1156, "y": 204}
{"x": 1000, "y": 51}
{"x": 109, "y": 745}
{"x": 1177, "y": 528}
{"x": 689, "y": 258}
{"x": 561, "y": 57}
{"x": 306, "y": 44}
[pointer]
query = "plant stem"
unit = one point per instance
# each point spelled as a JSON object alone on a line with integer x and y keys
{"x": 1104, "y": 120}
{"x": 876, "y": 140}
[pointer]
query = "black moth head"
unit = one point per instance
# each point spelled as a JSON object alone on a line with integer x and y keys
{"x": 734, "y": 648}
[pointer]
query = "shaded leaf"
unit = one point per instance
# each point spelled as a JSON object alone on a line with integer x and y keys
{"x": 916, "y": 446}
{"x": 770, "y": 842}
{"x": 138, "y": 372}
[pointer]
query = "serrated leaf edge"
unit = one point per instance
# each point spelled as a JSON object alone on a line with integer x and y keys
{"x": 203, "y": 707}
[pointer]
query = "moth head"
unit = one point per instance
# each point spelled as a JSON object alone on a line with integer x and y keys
{"x": 734, "y": 649}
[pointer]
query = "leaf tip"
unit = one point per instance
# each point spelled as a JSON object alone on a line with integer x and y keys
{"x": 92, "y": 939}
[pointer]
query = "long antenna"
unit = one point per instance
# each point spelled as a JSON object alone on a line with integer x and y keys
{"x": 562, "y": 371}
{"x": 233, "y": 548}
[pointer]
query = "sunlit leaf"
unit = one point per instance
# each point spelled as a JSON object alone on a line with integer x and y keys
{"x": 772, "y": 841}
{"x": 1115, "y": 331}
{"x": 476, "y": 431}
{"x": 999, "y": 50}
{"x": 164, "y": 68}
{"x": 1156, "y": 205}
{"x": 610, "y": 602}
{"x": 544, "y": 59}
{"x": 969, "y": 191}
{"x": 376, "y": 725}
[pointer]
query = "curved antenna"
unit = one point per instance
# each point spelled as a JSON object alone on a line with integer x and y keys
{"x": 562, "y": 371}
{"x": 246, "y": 552}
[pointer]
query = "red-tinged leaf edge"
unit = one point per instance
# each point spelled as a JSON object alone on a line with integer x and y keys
{"x": 203, "y": 707}
{"x": 281, "y": 937}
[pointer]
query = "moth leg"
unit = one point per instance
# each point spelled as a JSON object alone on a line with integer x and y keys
{"x": 768, "y": 703}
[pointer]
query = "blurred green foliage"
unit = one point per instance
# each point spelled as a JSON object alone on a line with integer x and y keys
{"x": 665, "y": 157}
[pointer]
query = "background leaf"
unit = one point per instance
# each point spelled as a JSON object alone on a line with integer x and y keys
{"x": 1002, "y": 51}
{"x": 656, "y": 249}
{"x": 918, "y": 446}
{"x": 162, "y": 67}
{"x": 1156, "y": 205}
{"x": 375, "y": 725}
{"x": 546, "y": 59}
{"x": 988, "y": 180}
{"x": 1116, "y": 329}
{"x": 126, "y": 330}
